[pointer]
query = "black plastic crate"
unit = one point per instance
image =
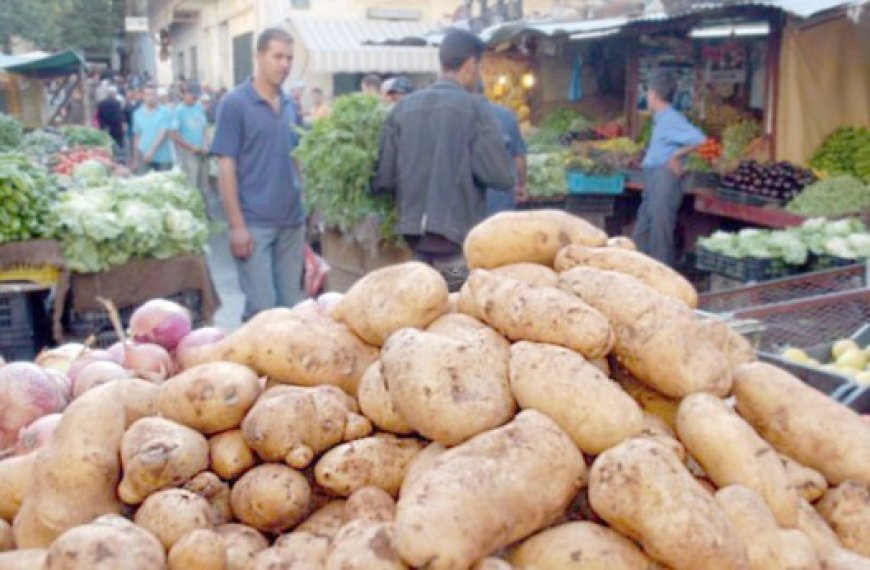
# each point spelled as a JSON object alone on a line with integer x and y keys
{"x": 15, "y": 311}
{"x": 18, "y": 346}
{"x": 818, "y": 262}
{"x": 744, "y": 269}
{"x": 706, "y": 179}
{"x": 746, "y": 198}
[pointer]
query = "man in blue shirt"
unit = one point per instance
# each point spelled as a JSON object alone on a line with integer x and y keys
{"x": 673, "y": 138}
{"x": 497, "y": 200}
{"x": 151, "y": 124}
{"x": 259, "y": 181}
{"x": 188, "y": 133}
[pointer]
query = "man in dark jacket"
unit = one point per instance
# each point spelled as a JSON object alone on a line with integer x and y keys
{"x": 110, "y": 116}
{"x": 440, "y": 148}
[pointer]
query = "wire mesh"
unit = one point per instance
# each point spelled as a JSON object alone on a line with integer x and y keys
{"x": 810, "y": 321}
{"x": 813, "y": 284}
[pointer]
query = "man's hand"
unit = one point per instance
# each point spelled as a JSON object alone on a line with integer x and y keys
{"x": 521, "y": 194}
{"x": 241, "y": 242}
{"x": 676, "y": 165}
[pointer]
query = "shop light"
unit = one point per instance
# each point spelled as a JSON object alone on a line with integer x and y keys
{"x": 502, "y": 79}
{"x": 732, "y": 30}
{"x": 528, "y": 80}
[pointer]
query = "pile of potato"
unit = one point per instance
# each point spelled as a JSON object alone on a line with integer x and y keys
{"x": 565, "y": 410}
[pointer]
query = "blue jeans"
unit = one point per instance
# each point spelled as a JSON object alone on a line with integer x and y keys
{"x": 657, "y": 215}
{"x": 499, "y": 201}
{"x": 272, "y": 275}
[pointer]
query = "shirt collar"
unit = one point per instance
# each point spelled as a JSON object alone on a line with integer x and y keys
{"x": 255, "y": 96}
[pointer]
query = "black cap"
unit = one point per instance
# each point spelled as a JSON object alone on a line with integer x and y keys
{"x": 401, "y": 85}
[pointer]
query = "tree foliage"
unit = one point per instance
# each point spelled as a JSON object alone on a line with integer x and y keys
{"x": 54, "y": 25}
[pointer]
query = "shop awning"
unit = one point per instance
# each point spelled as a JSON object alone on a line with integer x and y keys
{"x": 41, "y": 64}
{"x": 350, "y": 46}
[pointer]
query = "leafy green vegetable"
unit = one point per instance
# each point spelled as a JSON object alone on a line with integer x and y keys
{"x": 737, "y": 137}
{"x": 560, "y": 120}
{"x": 88, "y": 137}
{"x": 844, "y": 152}
{"x": 11, "y": 132}
{"x": 543, "y": 141}
{"x": 40, "y": 145}
{"x": 832, "y": 197}
{"x": 157, "y": 215}
{"x": 546, "y": 175}
{"x": 338, "y": 156}
{"x": 91, "y": 173}
{"x": 26, "y": 195}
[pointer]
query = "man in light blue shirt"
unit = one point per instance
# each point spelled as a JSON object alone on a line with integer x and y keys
{"x": 188, "y": 133}
{"x": 498, "y": 200}
{"x": 673, "y": 138}
{"x": 151, "y": 124}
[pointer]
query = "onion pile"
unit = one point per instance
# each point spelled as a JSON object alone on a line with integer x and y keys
{"x": 27, "y": 393}
{"x": 160, "y": 322}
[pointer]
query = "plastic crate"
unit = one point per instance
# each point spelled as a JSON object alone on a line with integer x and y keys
{"x": 579, "y": 183}
{"x": 746, "y": 198}
{"x": 828, "y": 261}
{"x": 787, "y": 289}
{"x": 15, "y": 312}
{"x": 743, "y": 269}
{"x": 706, "y": 179}
{"x": 18, "y": 346}
{"x": 43, "y": 274}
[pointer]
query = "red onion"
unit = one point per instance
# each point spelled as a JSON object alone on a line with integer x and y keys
{"x": 87, "y": 358}
{"x": 97, "y": 373}
{"x": 160, "y": 321}
{"x": 149, "y": 361}
{"x": 195, "y": 339}
{"x": 117, "y": 352}
{"x": 38, "y": 434}
{"x": 61, "y": 357}
{"x": 64, "y": 385}
{"x": 26, "y": 393}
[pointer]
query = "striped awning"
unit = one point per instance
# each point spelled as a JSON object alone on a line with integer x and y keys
{"x": 363, "y": 46}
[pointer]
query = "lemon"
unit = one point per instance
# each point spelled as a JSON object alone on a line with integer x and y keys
{"x": 853, "y": 358}
{"x": 842, "y": 346}
{"x": 795, "y": 355}
{"x": 863, "y": 377}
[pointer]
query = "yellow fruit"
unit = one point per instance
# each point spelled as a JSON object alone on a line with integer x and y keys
{"x": 842, "y": 346}
{"x": 813, "y": 362}
{"x": 795, "y": 355}
{"x": 863, "y": 377}
{"x": 853, "y": 358}
{"x": 848, "y": 371}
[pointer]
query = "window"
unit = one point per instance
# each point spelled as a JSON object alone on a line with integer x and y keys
{"x": 300, "y": 4}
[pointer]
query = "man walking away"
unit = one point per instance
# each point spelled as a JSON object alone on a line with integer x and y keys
{"x": 440, "y": 148}
{"x": 151, "y": 124}
{"x": 673, "y": 138}
{"x": 110, "y": 116}
{"x": 259, "y": 181}
{"x": 188, "y": 133}
{"x": 496, "y": 200}
{"x": 130, "y": 105}
{"x": 371, "y": 85}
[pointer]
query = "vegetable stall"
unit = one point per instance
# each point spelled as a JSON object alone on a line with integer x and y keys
{"x": 381, "y": 429}
{"x": 77, "y": 224}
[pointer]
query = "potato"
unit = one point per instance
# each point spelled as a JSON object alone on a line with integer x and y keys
{"x": 579, "y": 546}
{"x": 380, "y": 460}
{"x": 271, "y": 498}
{"x": 407, "y": 295}
{"x": 649, "y": 400}
{"x": 326, "y": 521}
{"x": 201, "y": 549}
{"x": 229, "y": 455}
{"x": 15, "y": 474}
{"x": 643, "y": 491}
{"x": 108, "y": 543}
{"x": 531, "y": 273}
{"x": 376, "y": 403}
{"x": 157, "y": 453}
{"x": 656, "y": 337}
{"x": 768, "y": 546}
{"x": 139, "y": 398}
{"x": 601, "y": 364}
{"x": 657, "y": 430}
{"x": 293, "y": 424}
{"x": 364, "y": 545}
{"x": 452, "y": 303}
{"x": 831, "y": 554}
{"x": 521, "y": 311}
{"x": 242, "y": 543}
{"x": 171, "y": 513}
{"x": 561, "y": 384}
{"x": 729, "y": 342}
{"x": 809, "y": 483}
{"x": 370, "y": 504}
{"x": 442, "y": 386}
{"x": 803, "y": 423}
{"x": 847, "y": 509}
{"x": 491, "y": 345}
{"x": 492, "y": 564}
{"x": 644, "y": 268}
{"x": 421, "y": 463}
{"x": 622, "y": 242}
{"x": 74, "y": 478}
{"x": 210, "y": 398}
{"x": 28, "y": 559}
{"x": 730, "y": 452}
{"x": 486, "y": 493}
{"x": 295, "y": 346}
{"x": 7, "y": 541}
{"x": 531, "y": 236}
{"x": 209, "y": 486}
{"x": 294, "y": 551}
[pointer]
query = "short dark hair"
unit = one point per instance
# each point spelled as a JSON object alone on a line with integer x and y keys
{"x": 664, "y": 84}
{"x": 457, "y": 47}
{"x": 372, "y": 80}
{"x": 317, "y": 90}
{"x": 270, "y": 34}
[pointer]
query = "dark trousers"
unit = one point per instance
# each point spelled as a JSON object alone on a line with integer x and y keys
{"x": 657, "y": 215}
